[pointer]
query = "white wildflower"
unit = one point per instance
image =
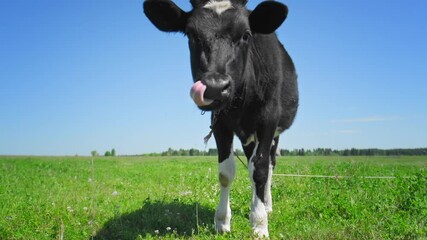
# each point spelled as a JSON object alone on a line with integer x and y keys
{"x": 186, "y": 193}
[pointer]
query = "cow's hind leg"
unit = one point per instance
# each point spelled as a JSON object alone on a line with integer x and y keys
{"x": 268, "y": 200}
{"x": 260, "y": 169}
{"x": 226, "y": 173}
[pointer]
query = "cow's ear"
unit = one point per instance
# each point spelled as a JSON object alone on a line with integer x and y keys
{"x": 165, "y": 15}
{"x": 267, "y": 17}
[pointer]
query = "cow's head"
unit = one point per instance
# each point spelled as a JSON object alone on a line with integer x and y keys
{"x": 220, "y": 37}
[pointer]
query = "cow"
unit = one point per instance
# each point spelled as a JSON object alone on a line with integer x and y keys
{"x": 245, "y": 77}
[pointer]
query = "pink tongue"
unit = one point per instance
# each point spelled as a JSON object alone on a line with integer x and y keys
{"x": 196, "y": 93}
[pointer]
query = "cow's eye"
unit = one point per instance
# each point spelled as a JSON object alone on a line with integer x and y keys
{"x": 246, "y": 35}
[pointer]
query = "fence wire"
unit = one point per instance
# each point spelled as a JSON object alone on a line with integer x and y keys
{"x": 335, "y": 176}
{"x": 320, "y": 176}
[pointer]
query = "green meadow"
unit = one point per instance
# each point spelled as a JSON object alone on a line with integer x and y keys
{"x": 176, "y": 197}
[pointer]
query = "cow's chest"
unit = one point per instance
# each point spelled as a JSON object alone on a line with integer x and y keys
{"x": 245, "y": 127}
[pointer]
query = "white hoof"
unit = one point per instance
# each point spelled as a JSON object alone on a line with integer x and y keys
{"x": 259, "y": 219}
{"x": 261, "y": 233}
{"x": 222, "y": 222}
{"x": 259, "y": 222}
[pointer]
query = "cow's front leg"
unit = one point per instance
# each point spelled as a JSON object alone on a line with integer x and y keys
{"x": 226, "y": 173}
{"x": 260, "y": 170}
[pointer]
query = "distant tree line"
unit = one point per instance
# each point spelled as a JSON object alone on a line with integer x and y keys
{"x": 186, "y": 152}
{"x": 304, "y": 152}
{"x": 111, "y": 153}
{"x": 355, "y": 152}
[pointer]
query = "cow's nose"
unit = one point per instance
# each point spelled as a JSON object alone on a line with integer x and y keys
{"x": 217, "y": 86}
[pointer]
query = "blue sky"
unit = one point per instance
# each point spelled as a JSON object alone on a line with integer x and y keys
{"x": 77, "y": 76}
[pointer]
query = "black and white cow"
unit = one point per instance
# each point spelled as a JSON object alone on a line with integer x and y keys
{"x": 243, "y": 74}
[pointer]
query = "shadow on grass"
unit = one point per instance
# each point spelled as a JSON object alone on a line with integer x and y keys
{"x": 157, "y": 218}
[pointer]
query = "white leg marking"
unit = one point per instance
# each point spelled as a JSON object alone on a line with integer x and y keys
{"x": 267, "y": 194}
{"x": 251, "y": 138}
{"x": 218, "y": 6}
{"x": 278, "y": 131}
{"x": 226, "y": 173}
{"x": 258, "y": 215}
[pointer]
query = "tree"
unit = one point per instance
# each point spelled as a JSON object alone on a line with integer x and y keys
{"x": 193, "y": 152}
{"x": 346, "y": 152}
{"x": 212, "y": 152}
{"x": 107, "y": 154}
{"x": 169, "y": 152}
{"x": 113, "y": 152}
{"x": 94, "y": 153}
{"x": 285, "y": 152}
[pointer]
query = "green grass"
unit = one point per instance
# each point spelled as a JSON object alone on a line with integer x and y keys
{"x": 175, "y": 197}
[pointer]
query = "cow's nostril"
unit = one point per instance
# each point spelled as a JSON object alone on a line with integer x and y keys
{"x": 226, "y": 89}
{"x": 226, "y": 86}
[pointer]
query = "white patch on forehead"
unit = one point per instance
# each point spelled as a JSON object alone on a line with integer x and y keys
{"x": 218, "y": 6}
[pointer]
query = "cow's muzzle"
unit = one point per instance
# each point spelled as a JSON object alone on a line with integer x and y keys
{"x": 212, "y": 88}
